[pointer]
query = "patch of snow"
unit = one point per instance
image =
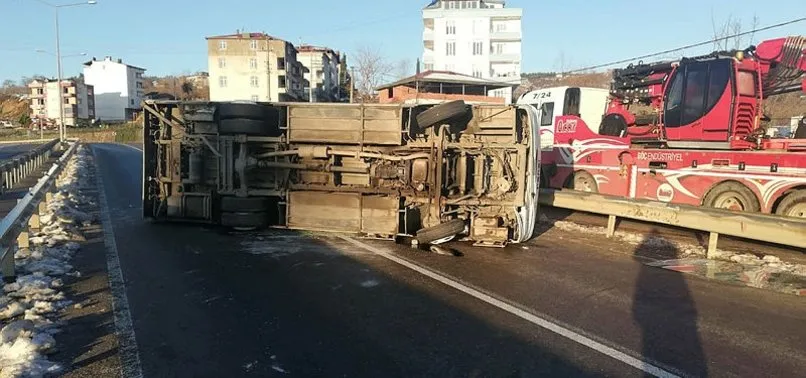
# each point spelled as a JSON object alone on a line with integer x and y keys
{"x": 370, "y": 283}
{"x": 281, "y": 245}
{"x": 29, "y": 307}
{"x": 687, "y": 250}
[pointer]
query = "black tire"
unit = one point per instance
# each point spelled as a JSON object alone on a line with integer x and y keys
{"x": 244, "y": 220}
{"x": 441, "y": 114}
{"x": 613, "y": 125}
{"x": 732, "y": 196}
{"x": 800, "y": 132}
{"x": 244, "y": 205}
{"x": 248, "y": 127}
{"x": 583, "y": 182}
{"x": 440, "y": 231}
{"x": 234, "y": 110}
{"x": 793, "y": 205}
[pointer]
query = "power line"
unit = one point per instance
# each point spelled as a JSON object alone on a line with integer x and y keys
{"x": 686, "y": 47}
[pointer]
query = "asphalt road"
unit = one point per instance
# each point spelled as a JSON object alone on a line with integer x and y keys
{"x": 8, "y": 151}
{"x": 209, "y": 303}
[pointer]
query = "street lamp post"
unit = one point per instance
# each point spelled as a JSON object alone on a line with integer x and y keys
{"x": 60, "y": 75}
{"x": 62, "y": 129}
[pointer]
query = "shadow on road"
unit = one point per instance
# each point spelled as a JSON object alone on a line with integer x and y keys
{"x": 671, "y": 338}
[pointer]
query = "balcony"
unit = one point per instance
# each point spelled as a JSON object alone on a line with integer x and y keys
{"x": 428, "y": 34}
{"x": 504, "y": 58}
{"x": 505, "y": 36}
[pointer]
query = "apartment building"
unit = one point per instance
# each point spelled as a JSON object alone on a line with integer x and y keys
{"x": 481, "y": 38}
{"x": 78, "y": 102}
{"x": 118, "y": 88}
{"x": 254, "y": 67}
{"x": 323, "y": 65}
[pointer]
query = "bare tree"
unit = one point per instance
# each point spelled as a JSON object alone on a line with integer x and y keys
{"x": 403, "y": 68}
{"x": 371, "y": 68}
{"x": 562, "y": 63}
{"x": 728, "y": 34}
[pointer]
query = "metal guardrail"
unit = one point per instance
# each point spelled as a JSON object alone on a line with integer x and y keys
{"x": 16, "y": 168}
{"x": 25, "y": 215}
{"x": 753, "y": 226}
{"x": 25, "y": 141}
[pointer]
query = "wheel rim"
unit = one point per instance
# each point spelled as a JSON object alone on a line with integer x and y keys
{"x": 797, "y": 210}
{"x": 730, "y": 201}
{"x": 583, "y": 184}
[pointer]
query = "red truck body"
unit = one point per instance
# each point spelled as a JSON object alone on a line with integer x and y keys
{"x": 702, "y": 144}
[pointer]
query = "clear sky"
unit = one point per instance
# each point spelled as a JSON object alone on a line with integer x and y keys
{"x": 167, "y": 36}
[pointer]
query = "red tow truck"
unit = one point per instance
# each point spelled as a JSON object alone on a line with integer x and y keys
{"x": 686, "y": 132}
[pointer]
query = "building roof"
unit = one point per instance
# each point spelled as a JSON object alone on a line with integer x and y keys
{"x": 446, "y": 77}
{"x": 244, "y": 36}
{"x": 435, "y": 3}
{"x": 109, "y": 59}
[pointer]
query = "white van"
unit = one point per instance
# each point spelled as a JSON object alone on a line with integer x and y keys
{"x": 589, "y": 104}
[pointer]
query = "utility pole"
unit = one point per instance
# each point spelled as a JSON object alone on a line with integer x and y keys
{"x": 62, "y": 129}
{"x": 62, "y": 133}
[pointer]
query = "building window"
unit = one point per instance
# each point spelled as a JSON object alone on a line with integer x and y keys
{"x": 450, "y": 49}
{"x": 477, "y": 72}
{"x": 429, "y": 66}
{"x": 449, "y": 67}
{"x": 253, "y": 63}
{"x": 280, "y": 63}
{"x": 131, "y": 102}
{"x": 253, "y": 82}
{"x": 255, "y": 98}
{"x": 222, "y": 62}
{"x": 450, "y": 27}
{"x": 497, "y": 48}
{"x": 501, "y": 27}
{"x": 222, "y": 45}
{"x": 478, "y": 48}
{"x": 253, "y": 44}
{"x": 281, "y": 81}
{"x": 222, "y": 81}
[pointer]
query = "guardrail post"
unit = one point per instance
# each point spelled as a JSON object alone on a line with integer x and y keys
{"x": 7, "y": 264}
{"x": 712, "y": 241}
{"x": 611, "y": 225}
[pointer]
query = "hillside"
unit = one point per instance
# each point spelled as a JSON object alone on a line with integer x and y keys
{"x": 12, "y": 108}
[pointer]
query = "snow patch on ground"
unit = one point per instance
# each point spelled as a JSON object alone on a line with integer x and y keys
{"x": 686, "y": 250}
{"x": 370, "y": 283}
{"x": 29, "y": 307}
{"x": 280, "y": 244}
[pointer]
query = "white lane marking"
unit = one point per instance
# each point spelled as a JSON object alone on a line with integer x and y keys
{"x": 637, "y": 363}
{"x": 130, "y": 146}
{"x": 129, "y": 355}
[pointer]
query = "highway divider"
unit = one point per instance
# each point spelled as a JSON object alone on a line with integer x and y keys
{"x": 753, "y": 226}
{"x": 25, "y": 215}
{"x": 16, "y": 168}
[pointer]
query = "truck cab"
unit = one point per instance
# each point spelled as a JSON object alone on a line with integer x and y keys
{"x": 589, "y": 104}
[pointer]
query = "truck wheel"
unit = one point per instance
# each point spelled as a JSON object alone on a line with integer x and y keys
{"x": 440, "y": 231}
{"x": 800, "y": 132}
{"x": 732, "y": 196}
{"x": 234, "y": 110}
{"x": 442, "y": 113}
{"x": 244, "y": 205}
{"x": 244, "y": 221}
{"x": 793, "y": 205}
{"x": 253, "y": 127}
{"x": 583, "y": 182}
